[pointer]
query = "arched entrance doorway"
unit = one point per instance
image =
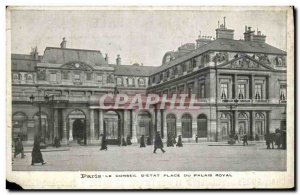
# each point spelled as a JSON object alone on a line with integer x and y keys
{"x": 202, "y": 126}
{"x": 225, "y": 126}
{"x": 19, "y": 124}
{"x": 171, "y": 125}
{"x": 144, "y": 124}
{"x": 77, "y": 127}
{"x": 112, "y": 126}
{"x": 186, "y": 121}
{"x": 243, "y": 127}
{"x": 260, "y": 125}
{"x": 43, "y": 130}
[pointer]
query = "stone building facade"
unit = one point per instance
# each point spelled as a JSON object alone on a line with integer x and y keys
{"x": 240, "y": 86}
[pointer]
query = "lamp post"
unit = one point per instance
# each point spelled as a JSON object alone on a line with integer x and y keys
{"x": 39, "y": 104}
{"x": 231, "y": 106}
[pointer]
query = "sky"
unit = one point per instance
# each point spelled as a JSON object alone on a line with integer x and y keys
{"x": 138, "y": 36}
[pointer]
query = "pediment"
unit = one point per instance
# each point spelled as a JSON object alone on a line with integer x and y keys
{"x": 244, "y": 62}
{"x": 77, "y": 66}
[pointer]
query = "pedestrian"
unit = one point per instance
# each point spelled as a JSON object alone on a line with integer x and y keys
{"x": 170, "y": 141}
{"x": 196, "y": 138}
{"x": 128, "y": 140}
{"x": 245, "y": 139}
{"x": 36, "y": 154}
{"x": 104, "y": 143}
{"x": 236, "y": 138}
{"x": 142, "y": 142}
{"x": 19, "y": 149}
{"x": 56, "y": 142}
{"x": 179, "y": 142}
{"x": 158, "y": 143}
{"x": 149, "y": 141}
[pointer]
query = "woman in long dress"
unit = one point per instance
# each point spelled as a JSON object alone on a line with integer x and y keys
{"x": 36, "y": 154}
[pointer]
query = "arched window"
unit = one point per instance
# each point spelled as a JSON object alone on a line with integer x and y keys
{"x": 202, "y": 125}
{"x": 171, "y": 125}
{"x": 186, "y": 121}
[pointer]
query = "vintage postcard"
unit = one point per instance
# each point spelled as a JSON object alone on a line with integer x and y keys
{"x": 150, "y": 97}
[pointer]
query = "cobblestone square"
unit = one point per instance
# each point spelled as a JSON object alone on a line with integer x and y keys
{"x": 191, "y": 157}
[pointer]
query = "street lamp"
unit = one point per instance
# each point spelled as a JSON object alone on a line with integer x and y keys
{"x": 231, "y": 106}
{"x": 39, "y": 103}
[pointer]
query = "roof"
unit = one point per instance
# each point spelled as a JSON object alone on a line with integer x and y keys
{"x": 23, "y": 62}
{"x": 63, "y": 55}
{"x": 131, "y": 70}
{"x": 229, "y": 45}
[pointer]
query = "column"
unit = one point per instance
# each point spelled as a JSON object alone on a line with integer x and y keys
{"x": 92, "y": 126}
{"x": 236, "y": 122}
{"x": 126, "y": 123}
{"x": 165, "y": 124}
{"x": 235, "y": 84}
{"x": 64, "y": 134}
{"x": 55, "y": 122}
{"x": 134, "y": 124}
{"x": 158, "y": 121}
{"x": 196, "y": 88}
{"x": 70, "y": 130}
{"x": 253, "y": 123}
{"x": 252, "y": 89}
{"x": 101, "y": 123}
{"x": 178, "y": 126}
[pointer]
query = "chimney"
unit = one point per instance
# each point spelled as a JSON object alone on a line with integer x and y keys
{"x": 106, "y": 57}
{"x": 222, "y": 32}
{"x": 203, "y": 40}
{"x": 63, "y": 44}
{"x": 259, "y": 37}
{"x": 34, "y": 53}
{"x": 248, "y": 34}
{"x": 118, "y": 60}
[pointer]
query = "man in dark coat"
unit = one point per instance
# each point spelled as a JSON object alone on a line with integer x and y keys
{"x": 36, "y": 154}
{"x": 268, "y": 140}
{"x": 236, "y": 138}
{"x": 104, "y": 143}
{"x": 19, "y": 149}
{"x": 142, "y": 142}
{"x": 196, "y": 138}
{"x": 158, "y": 143}
{"x": 179, "y": 143}
{"x": 128, "y": 140}
{"x": 245, "y": 139}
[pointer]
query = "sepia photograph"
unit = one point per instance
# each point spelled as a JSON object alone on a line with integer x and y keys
{"x": 135, "y": 93}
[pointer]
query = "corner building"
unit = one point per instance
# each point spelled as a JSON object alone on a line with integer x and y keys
{"x": 240, "y": 86}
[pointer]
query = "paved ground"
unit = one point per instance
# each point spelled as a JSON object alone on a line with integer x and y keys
{"x": 191, "y": 157}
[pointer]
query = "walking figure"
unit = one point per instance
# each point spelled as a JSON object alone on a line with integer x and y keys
{"x": 19, "y": 149}
{"x": 104, "y": 143}
{"x": 245, "y": 139}
{"x": 174, "y": 139}
{"x": 142, "y": 142}
{"x": 268, "y": 140}
{"x": 36, "y": 154}
{"x": 196, "y": 138}
{"x": 179, "y": 143}
{"x": 236, "y": 138}
{"x": 128, "y": 140}
{"x": 158, "y": 143}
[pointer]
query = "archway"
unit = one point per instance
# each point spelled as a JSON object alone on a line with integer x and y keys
{"x": 19, "y": 126}
{"x": 186, "y": 121}
{"x": 144, "y": 124}
{"x": 243, "y": 124}
{"x": 260, "y": 125}
{"x": 112, "y": 128}
{"x": 171, "y": 125}
{"x": 225, "y": 125}
{"x": 202, "y": 126}
{"x": 77, "y": 127}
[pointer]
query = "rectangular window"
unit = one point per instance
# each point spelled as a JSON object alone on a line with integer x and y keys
{"x": 241, "y": 91}
{"x": 76, "y": 76}
{"x": 65, "y": 75}
{"x": 282, "y": 92}
{"x": 202, "y": 90}
{"x": 88, "y": 76}
{"x": 258, "y": 92}
{"x": 224, "y": 90}
{"x": 53, "y": 77}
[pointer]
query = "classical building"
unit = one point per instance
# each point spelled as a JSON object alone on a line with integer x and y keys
{"x": 240, "y": 86}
